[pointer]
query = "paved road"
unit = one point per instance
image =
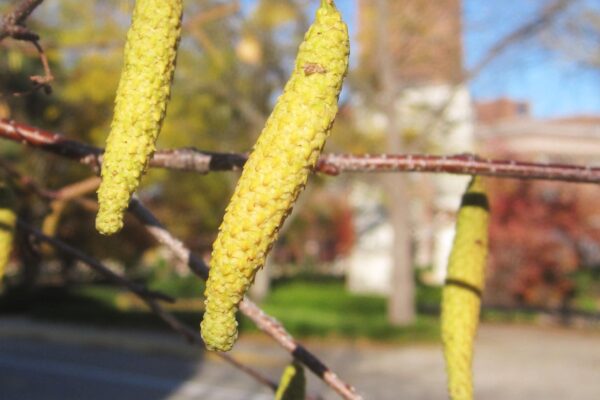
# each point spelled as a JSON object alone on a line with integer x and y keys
{"x": 30, "y": 369}
{"x": 43, "y": 361}
{"x": 512, "y": 363}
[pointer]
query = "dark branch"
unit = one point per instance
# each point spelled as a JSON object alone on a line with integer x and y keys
{"x": 13, "y": 23}
{"x": 264, "y": 322}
{"x": 13, "y": 26}
{"x": 51, "y": 142}
{"x": 461, "y": 164}
{"x": 97, "y": 266}
{"x": 147, "y": 296}
{"x": 188, "y": 159}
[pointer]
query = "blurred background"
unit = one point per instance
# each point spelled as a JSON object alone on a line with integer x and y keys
{"x": 361, "y": 255}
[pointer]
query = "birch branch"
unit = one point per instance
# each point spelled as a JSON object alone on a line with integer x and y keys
{"x": 262, "y": 320}
{"x": 193, "y": 160}
{"x": 13, "y": 26}
{"x": 13, "y": 22}
{"x": 147, "y": 296}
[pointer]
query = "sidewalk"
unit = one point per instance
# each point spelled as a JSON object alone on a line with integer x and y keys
{"x": 140, "y": 341}
{"x": 512, "y": 362}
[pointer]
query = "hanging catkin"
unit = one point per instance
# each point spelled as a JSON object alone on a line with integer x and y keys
{"x": 461, "y": 297}
{"x": 8, "y": 219}
{"x": 292, "y": 385}
{"x": 140, "y": 105}
{"x": 276, "y": 172}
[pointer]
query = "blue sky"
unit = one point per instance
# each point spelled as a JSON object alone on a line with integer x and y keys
{"x": 554, "y": 85}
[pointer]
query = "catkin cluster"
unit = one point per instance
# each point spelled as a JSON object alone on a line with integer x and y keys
{"x": 8, "y": 219}
{"x": 140, "y": 105}
{"x": 276, "y": 172}
{"x": 292, "y": 385}
{"x": 461, "y": 296}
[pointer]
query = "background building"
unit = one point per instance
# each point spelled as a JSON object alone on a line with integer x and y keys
{"x": 432, "y": 112}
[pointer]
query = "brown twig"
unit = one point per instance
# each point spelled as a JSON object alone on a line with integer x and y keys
{"x": 25, "y": 181}
{"x": 98, "y": 267}
{"x": 51, "y": 142}
{"x": 147, "y": 296}
{"x": 66, "y": 193}
{"x": 13, "y": 23}
{"x": 461, "y": 164}
{"x": 264, "y": 322}
{"x": 189, "y": 159}
{"x": 77, "y": 189}
{"x": 13, "y": 26}
{"x": 40, "y": 81}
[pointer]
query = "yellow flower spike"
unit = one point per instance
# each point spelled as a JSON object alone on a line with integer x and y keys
{"x": 50, "y": 224}
{"x": 292, "y": 385}
{"x": 8, "y": 219}
{"x": 275, "y": 172}
{"x": 461, "y": 296}
{"x": 140, "y": 105}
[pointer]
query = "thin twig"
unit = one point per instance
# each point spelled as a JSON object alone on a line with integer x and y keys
{"x": 25, "y": 181}
{"x": 461, "y": 164}
{"x": 13, "y": 23}
{"x": 189, "y": 159}
{"x": 13, "y": 26}
{"x": 147, "y": 296}
{"x": 77, "y": 189}
{"x": 264, "y": 322}
{"x": 136, "y": 288}
{"x": 40, "y": 81}
{"x": 546, "y": 16}
{"x": 51, "y": 142}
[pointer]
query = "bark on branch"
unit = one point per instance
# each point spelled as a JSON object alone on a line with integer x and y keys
{"x": 147, "y": 296}
{"x": 262, "y": 320}
{"x": 13, "y": 26}
{"x": 13, "y": 23}
{"x": 189, "y": 159}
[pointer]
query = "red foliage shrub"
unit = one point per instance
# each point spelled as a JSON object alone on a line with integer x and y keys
{"x": 540, "y": 232}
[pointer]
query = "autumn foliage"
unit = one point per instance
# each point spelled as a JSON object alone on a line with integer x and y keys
{"x": 541, "y": 233}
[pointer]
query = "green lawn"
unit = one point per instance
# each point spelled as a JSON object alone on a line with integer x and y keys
{"x": 307, "y": 308}
{"x": 327, "y": 309}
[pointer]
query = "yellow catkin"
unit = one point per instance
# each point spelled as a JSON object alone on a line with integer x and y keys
{"x": 461, "y": 297}
{"x": 292, "y": 385}
{"x": 275, "y": 172}
{"x": 140, "y": 105}
{"x": 50, "y": 224}
{"x": 8, "y": 219}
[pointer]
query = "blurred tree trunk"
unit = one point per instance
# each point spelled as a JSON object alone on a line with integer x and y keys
{"x": 401, "y": 303}
{"x": 262, "y": 283}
